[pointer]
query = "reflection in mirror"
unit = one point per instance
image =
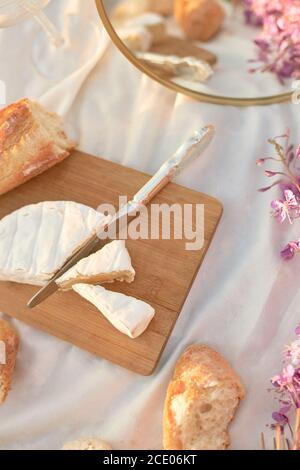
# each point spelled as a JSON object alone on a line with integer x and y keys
{"x": 216, "y": 47}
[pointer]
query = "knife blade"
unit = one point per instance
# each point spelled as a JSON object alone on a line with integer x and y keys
{"x": 186, "y": 153}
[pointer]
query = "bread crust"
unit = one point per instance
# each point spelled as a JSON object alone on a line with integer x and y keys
{"x": 163, "y": 7}
{"x": 199, "y": 19}
{"x": 32, "y": 140}
{"x": 199, "y": 368}
{"x": 9, "y": 337}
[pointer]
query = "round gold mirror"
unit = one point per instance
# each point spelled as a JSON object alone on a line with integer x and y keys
{"x": 202, "y": 48}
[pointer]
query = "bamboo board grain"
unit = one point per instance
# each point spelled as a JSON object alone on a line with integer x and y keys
{"x": 165, "y": 270}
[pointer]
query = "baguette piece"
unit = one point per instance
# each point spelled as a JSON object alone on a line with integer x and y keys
{"x": 9, "y": 344}
{"x": 31, "y": 141}
{"x": 201, "y": 401}
{"x": 87, "y": 444}
{"x": 199, "y": 19}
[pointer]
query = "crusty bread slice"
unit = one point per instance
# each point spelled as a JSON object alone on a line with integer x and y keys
{"x": 10, "y": 341}
{"x": 87, "y": 444}
{"x": 31, "y": 141}
{"x": 201, "y": 401}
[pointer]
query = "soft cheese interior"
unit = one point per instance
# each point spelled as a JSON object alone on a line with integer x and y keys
{"x": 110, "y": 264}
{"x": 37, "y": 240}
{"x": 129, "y": 315}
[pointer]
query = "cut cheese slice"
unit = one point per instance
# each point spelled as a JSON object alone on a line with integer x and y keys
{"x": 37, "y": 240}
{"x": 129, "y": 315}
{"x": 110, "y": 264}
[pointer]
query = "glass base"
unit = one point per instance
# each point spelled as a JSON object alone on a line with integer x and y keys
{"x": 80, "y": 37}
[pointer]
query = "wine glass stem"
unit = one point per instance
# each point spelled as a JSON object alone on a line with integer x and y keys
{"x": 50, "y": 29}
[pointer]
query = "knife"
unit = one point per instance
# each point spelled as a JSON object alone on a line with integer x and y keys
{"x": 186, "y": 153}
{"x": 191, "y": 68}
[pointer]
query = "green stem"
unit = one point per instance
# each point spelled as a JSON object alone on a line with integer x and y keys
{"x": 283, "y": 161}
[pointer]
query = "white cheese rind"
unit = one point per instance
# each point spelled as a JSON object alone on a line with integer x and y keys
{"x": 36, "y": 240}
{"x": 112, "y": 258}
{"x": 129, "y": 315}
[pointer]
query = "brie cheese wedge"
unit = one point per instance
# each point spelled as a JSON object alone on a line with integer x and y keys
{"x": 129, "y": 315}
{"x": 37, "y": 240}
{"x": 111, "y": 263}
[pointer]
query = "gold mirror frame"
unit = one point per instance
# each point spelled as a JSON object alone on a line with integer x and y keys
{"x": 207, "y": 98}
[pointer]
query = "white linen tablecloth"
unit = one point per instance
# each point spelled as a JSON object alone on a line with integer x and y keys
{"x": 244, "y": 301}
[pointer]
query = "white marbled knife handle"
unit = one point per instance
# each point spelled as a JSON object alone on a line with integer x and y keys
{"x": 187, "y": 152}
{"x": 189, "y": 68}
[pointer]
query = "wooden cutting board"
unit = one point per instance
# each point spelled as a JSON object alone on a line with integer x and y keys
{"x": 165, "y": 270}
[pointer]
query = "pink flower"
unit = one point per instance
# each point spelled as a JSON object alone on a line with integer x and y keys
{"x": 280, "y": 210}
{"x": 287, "y": 387}
{"x": 290, "y": 198}
{"x": 289, "y": 251}
{"x": 292, "y": 353}
{"x": 285, "y": 378}
{"x": 289, "y": 185}
{"x": 280, "y": 418}
{"x": 279, "y": 42}
{"x": 289, "y": 208}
